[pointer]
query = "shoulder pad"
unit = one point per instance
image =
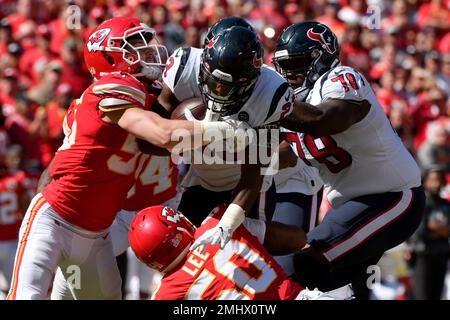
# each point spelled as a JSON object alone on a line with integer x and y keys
{"x": 119, "y": 91}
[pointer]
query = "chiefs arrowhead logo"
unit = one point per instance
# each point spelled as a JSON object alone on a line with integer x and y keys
{"x": 97, "y": 38}
{"x": 170, "y": 214}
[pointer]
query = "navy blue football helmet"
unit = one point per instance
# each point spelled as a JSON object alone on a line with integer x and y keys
{"x": 224, "y": 24}
{"x": 230, "y": 66}
{"x": 308, "y": 49}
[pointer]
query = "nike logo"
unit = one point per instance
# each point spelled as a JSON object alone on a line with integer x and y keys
{"x": 288, "y": 96}
{"x": 177, "y": 53}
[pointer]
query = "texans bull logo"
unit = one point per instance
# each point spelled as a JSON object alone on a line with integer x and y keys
{"x": 320, "y": 37}
{"x": 213, "y": 41}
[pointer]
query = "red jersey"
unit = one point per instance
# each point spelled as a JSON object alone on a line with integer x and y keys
{"x": 33, "y": 61}
{"x": 94, "y": 168}
{"x": 243, "y": 270}
{"x": 155, "y": 182}
{"x": 11, "y": 190}
{"x": 53, "y": 138}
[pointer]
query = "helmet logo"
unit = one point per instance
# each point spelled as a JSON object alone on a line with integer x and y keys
{"x": 170, "y": 214}
{"x": 257, "y": 62}
{"x": 97, "y": 38}
{"x": 320, "y": 38}
{"x": 212, "y": 41}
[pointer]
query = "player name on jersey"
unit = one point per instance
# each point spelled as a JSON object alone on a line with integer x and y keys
{"x": 195, "y": 262}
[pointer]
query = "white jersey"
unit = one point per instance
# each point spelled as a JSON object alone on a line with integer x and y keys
{"x": 299, "y": 179}
{"x": 271, "y": 99}
{"x": 368, "y": 157}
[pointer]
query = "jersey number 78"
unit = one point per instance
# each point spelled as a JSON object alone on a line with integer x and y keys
{"x": 324, "y": 149}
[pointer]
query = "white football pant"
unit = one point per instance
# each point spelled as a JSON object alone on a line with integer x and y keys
{"x": 46, "y": 241}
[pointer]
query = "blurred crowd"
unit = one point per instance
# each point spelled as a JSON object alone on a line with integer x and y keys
{"x": 401, "y": 46}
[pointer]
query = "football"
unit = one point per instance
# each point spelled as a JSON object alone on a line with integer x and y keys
{"x": 195, "y": 105}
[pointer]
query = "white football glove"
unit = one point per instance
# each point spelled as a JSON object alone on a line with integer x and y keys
{"x": 239, "y": 141}
{"x": 237, "y": 124}
{"x": 342, "y": 293}
{"x": 227, "y": 129}
{"x": 221, "y": 234}
{"x": 218, "y": 235}
{"x": 211, "y": 116}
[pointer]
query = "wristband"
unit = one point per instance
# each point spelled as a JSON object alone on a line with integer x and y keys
{"x": 208, "y": 128}
{"x": 233, "y": 217}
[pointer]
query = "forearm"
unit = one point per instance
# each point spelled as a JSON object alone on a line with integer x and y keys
{"x": 248, "y": 188}
{"x": 167, "y": 99}
{"x": 244, "y": 196}
{"x": 170, "y": 134}
{"x": 151, "y": 127}
{"x": 45, "y": 178}
{"x": 330, "y": 117}
{"x": 281, "y": 239}
{"x": 287, "y": 157}
{"x": 148, "y": 148}
{"x": 233, "y": 217}
{"x": 302, "y": 117}
{"x": 161, "y": 110}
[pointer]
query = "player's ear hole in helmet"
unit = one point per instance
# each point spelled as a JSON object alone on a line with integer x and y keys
{"x": 304, "y": 52}
{"x": 230, "y": 66}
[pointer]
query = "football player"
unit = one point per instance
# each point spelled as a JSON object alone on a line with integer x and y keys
{"x": 13, "y": 204}
{"x": 372, "y": 182}
{"x": 229, "y": 75}
{"x": 68, "y": 223}
{"x": 244, "y": 269}
{"x": 298, "y": 187}
{"x": 155, "y": 184}
{"x": 299, "y": 195}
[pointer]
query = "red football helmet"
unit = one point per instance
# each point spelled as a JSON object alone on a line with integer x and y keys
{"x": 127, "y": 45}
{"x": 159, "y": 235}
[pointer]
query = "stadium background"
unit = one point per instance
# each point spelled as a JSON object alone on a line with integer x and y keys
{"x": 401, "y": 46}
